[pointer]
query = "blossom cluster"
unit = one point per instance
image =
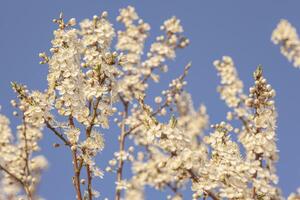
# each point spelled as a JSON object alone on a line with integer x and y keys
{"x": 285, "y": 35}
{"x": 21, "y": 165}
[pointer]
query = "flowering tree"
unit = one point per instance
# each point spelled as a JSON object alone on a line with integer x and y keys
{"x": 89, "y": 84}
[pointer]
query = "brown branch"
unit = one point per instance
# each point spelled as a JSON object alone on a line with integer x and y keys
{"x": 11, "y": 174}
{"x": 80, "y": 164}
{"x": 152, "y": 115}
{"x": 121, "y": 147}
{"x": 90, "y": 127}
{"x": 208, "y": 192}
{"x": 58, "y": 134}
{"x": 76, "y": 167}
{"x": 88, "y": 134}
{"x": 166, "y": 103}
{"x": 174, "y": 189}
{"x": 22, "y": 183}
{"x": 26, "y": 167}
{"x": 89, "y": 178}
{"x": 76, "y": 178}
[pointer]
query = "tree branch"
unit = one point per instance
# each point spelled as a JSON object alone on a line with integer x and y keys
{"x": 58, "y": 134}
{"x": 76, "y": 178}
{"x": 208, "y": 192}
{"x": 121, "y": 147}
{"x": 23, "y": 184}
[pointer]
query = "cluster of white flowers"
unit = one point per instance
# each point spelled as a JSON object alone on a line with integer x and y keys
{"x": 257, "y": 115}
{"x": 166, "y": 44}
{"x": 84, "y": 73}
{"x": 285, "y": 35}
{"x": 192, "y": 122}
{"x": 21, "y": 169}
{"x": 65, "y": 75}
{"x": 231, "y": 87}
{"x": 259, "y": 137}
{"x": 173, "y": 148}
{"x": 226, "y": 169}
{"x": 131, "y": 41}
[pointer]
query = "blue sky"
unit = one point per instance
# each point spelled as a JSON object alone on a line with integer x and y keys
{"x": 240, "y": 29}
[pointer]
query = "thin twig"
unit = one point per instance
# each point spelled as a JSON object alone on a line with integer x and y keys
{"x": 58, "y": 134}
{"x": 166, "y": 103}
{"x": 76, "y": 178}
{"x": 23, "y": 184}
{"x": 152, "y": 115}
{"x": 26, "y": 166}
{"x": 208, "y": 192}
{"x": 121, "y": 147}
{"x": 88, "y": 134}
{"x": 76, "y": 175}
